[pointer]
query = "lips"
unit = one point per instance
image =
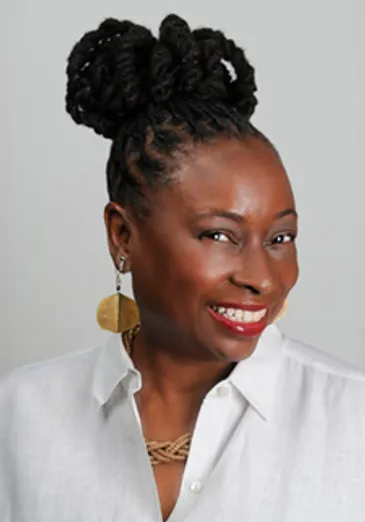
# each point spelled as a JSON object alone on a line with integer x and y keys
{"x": 244, "y": 320}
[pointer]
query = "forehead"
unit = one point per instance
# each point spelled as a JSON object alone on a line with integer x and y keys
{"x": 241, "y": 176}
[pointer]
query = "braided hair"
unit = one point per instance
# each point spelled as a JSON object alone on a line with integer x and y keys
{"x": 156, "y": 98}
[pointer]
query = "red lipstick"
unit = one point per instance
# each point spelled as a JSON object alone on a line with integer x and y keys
{"x": 242, "y": 306}
{"x": 240, "y": 328}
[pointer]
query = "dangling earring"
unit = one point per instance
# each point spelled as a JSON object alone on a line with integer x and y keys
{"x": 282, "y": 312}
{"x": 118, "y": 313}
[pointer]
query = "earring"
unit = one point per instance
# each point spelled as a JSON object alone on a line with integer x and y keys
{"x": 282, "y": 312}
{"x": 118, "y": 313}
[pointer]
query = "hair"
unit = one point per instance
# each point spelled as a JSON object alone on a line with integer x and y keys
{"x": 157, "y": 98}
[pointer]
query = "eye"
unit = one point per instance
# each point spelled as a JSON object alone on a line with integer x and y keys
{"x": 281, "y": 239}
{"x": 215, "y": 235}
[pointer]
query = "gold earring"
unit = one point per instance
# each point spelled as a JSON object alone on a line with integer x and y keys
{"x": 282, "y": 312}
{"x": 118, "y": 313}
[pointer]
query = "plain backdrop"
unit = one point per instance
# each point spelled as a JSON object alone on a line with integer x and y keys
{"x": 54, "y": 263}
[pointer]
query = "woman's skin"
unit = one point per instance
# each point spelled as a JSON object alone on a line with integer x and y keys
{"x": 221, "y": 232}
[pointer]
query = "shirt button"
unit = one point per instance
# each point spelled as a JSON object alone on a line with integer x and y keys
{"x": 196, "y": 487}
{"x": 223, "y": 390}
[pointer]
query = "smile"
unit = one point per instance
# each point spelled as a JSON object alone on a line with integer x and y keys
{"x": 240, "y": 316}
{"x": 246, "y": 321}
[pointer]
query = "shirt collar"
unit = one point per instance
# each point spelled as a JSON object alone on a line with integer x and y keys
{"x": 256, "y": 377}
{"x": 113, "y": 366}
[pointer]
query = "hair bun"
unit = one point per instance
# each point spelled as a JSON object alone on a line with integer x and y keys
{"x": 118, "y": 70}
{"x": 106, "y": 73}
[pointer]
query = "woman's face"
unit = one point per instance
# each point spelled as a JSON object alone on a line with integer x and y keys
{"x": 216, "y": 258}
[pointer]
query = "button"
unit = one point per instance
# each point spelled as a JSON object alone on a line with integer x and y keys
{"x": 196, "y": 487}
{"x": 223, "y": 390}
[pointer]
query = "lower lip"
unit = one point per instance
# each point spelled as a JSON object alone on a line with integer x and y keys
{"x": 243, "y": 329}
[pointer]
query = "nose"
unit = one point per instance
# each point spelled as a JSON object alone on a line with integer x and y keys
{"x": 256, "y": 271}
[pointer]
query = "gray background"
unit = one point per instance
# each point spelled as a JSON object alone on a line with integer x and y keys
{"x": 54, "y": 264}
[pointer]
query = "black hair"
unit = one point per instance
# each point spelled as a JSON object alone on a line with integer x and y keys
{"x": 157, "y": 97}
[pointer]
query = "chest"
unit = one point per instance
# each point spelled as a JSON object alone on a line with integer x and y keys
{"x": 241, "y": 467}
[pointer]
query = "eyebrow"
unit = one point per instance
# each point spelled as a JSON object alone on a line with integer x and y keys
{"x": 215, "y": 212}
{"x": 234, "y": 216}
{"x": 287, "y": 212}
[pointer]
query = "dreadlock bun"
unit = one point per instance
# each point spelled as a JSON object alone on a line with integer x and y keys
{"x": 119, "y": 70}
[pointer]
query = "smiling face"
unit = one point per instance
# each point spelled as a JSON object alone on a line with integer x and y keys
{"x": 216, "y": 258}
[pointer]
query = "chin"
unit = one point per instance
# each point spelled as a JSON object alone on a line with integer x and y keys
{"x": 235, "y": 350}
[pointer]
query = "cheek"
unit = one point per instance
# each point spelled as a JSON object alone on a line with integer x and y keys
{"x": 196, "y": 267}
{"x": 289, "y": 271}
{"x": 181, "y": 272}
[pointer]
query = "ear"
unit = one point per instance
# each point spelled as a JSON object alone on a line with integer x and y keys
{"x": 118, "y": 227}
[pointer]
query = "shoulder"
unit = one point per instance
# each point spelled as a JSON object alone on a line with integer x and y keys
{"x": 54, "y": 379}
{"x": 320, "y": 362}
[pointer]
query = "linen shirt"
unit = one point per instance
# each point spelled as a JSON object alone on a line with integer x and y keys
{"x": 282, "y": 439}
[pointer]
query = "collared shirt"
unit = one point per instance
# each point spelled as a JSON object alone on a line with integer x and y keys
{"x": 282, "y": 439}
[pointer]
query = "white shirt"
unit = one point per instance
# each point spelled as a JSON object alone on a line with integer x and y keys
{"x": 281, "y": 440}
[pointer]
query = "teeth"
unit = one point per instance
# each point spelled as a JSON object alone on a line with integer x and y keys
{"x": 241, "y": 316}
{"x": 249, "y": 316}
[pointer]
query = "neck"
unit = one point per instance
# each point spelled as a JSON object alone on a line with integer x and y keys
{"x": 176, "y": 373}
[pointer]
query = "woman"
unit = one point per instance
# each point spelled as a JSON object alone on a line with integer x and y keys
{"x": 204, "y": 411}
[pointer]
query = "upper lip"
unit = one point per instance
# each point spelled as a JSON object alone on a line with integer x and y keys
{"x": 242, "y": 306}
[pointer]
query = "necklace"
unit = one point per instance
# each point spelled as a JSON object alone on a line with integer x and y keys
{"x": 166, "y": 451}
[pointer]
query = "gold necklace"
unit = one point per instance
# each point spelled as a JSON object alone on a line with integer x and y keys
{"x": 166, "y": 451}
